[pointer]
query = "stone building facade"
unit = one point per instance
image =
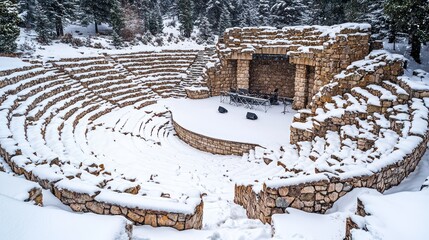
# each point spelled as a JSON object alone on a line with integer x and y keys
{"x": 296, "y": 60}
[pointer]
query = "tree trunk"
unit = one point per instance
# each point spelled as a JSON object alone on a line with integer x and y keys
{"x": 59, "y": 27}
{"x": 96, "y": 26}
{"x": 416, "y": 46}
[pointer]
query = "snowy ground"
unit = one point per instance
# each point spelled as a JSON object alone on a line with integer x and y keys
{"x": 98, "y": 44}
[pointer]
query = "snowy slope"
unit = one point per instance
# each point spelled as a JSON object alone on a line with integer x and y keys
{"x": 20, "y": 221}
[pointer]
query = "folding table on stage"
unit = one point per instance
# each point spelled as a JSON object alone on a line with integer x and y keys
{"x": 245, "y": 100}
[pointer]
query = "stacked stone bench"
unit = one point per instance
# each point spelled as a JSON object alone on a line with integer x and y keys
{"x": 367, "y": 128}
{"x": 45, "y": 115}
{"x": 107, "y": 80}
{"x": 162, "y": 71}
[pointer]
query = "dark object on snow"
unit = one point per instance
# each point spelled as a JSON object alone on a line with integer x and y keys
{"x": 251, "y": 116}
{"x": 222, "y": 109}
{"x": 274, "y": 99}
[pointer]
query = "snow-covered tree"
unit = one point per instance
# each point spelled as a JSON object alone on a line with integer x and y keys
{"x": 247, "y": 14}
{"x": 117, "y": 22}
{"x": 224, "y": 20}
{"x": 368, "y": 11}
{"x": 199, "y": 9}
{"x": 288, "y": 12}
{"x": 219, "y": 15}
{"x": 96, "y": 11}
{"x": 154, "y": 22}
{"x": 43, "y": 26}
{"x": 214, "y": 10}
{"x": 58, "y": 11}
{"x": 27, "y": 12}
{"x": 264, "y": 15}
{"x": 185, "y": 17}
{"x": 327, "y": 12}
{"x": 9, "y": 30}
{"x": 205, "y": 28}
{"x": 411, "y": 17}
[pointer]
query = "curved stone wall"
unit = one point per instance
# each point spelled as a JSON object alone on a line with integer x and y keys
{"x": 212, "y": 145}
{"x": 319, "y": 196}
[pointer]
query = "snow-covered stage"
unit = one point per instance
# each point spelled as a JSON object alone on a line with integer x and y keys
{"x": 202, "y": 117}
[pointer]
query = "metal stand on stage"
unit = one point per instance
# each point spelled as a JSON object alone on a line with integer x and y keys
{"x": 287, "y": 104}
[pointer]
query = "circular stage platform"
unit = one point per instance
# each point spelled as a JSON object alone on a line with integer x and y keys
{"x": 201, "y": 118}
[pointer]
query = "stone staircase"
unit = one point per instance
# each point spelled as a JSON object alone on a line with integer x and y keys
{"x": 198, "y": 68}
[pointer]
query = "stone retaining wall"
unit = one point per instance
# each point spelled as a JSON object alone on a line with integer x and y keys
{"x": 199, "y": 93}
{"x": 268, "y": 75}
{"x": 319, "y": 196}
{"x": 212, "y": 145}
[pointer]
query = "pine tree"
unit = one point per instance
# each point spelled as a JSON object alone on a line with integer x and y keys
{"x": 288, "y": 12}
{"x": 214, "y": 10}
{"x": 58, "y": 11}
{"x": 44, "y": 27}
{"x": 199, "y": 9}
{"x": 264, "y": 13}
{"x": 375, "y": 15}
{"x": 224, "y": 20}
{"x": 152, "y": 16}
{"x": 158, "y": 17}
{"x": 96, "y": 11}
{"x": 9, "y": 30}
{"x": 328, "y": 12}
{"x": 368, "y": 11}
{"x": 205, "y": 28}
{"x": 27, "y": 11}
{"x": 117, "y": 40}
{"x": 185, "y": 17}
{"x": 117, "y": 22}
{"x": 219, "y": 15}
{"x": 411, "y": 17}
{"x": 236, "y": 9}
{"x": 166, "y": 6}
{"x": 247, "y": 14}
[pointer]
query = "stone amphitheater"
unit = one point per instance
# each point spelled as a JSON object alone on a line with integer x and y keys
{"x": 360, "y": 123}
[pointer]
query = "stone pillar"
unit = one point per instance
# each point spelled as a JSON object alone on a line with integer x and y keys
{"x": 301, "y": 87}
{"x": 243, "y": 67}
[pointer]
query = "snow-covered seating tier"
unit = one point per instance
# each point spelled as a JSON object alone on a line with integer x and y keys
{"x": 367, "y": 128}
{"x": 46, "y": 116}
{"x": 165, "y": 72}
{"x": 108, "y": 80}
